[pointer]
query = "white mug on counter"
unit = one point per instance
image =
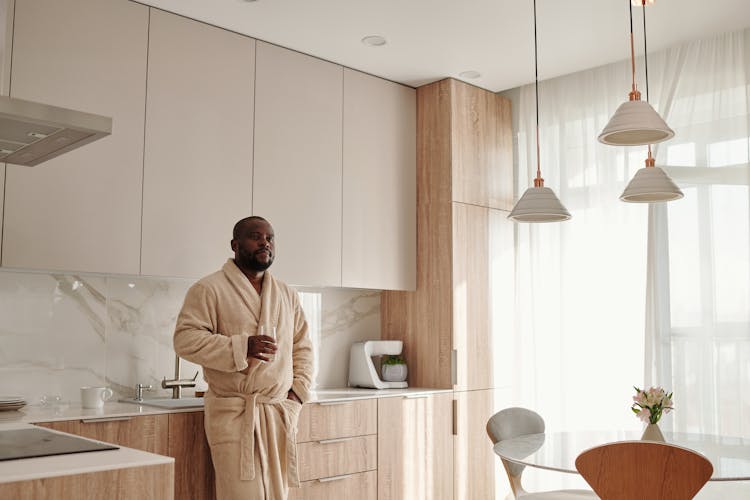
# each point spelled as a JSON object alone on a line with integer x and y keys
{"x": 94, "y": 397}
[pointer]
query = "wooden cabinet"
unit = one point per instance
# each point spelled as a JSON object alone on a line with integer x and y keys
{"x": 379, "y": 184}
{"x": 297, "y": 162}
{"x": 415, "y": 448}
{"x": 446, "y": 323}
{"x": 147, "y": 433}
{"x": 481, "y": 147}
{"x": 454, "y": 325}
{"x": 151, "y": 482}
{"x": 85, "y": 206}
{"x": 478, "y": 471}
{"x": 193, "y": 468}
{"x": 197, "y": 179}
{"x": 178, "y": 435}
{"x": 337, "y": 450}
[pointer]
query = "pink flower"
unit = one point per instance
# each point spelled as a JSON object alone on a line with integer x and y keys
{"x": 645, "y": 415}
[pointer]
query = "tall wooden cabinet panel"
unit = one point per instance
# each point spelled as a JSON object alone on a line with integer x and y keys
{"x": 455, "y": 326}
{"x": 199, "y": 144}
{"x": 297, "y": 162}
{"x": 482, "y": 152}
{"x": 471, "y": 316}
{"x": 478, "y": 471}
{"x": 415, "y": 448}
{"x": 379, "y": 184}
{"x": 88, "y": 55}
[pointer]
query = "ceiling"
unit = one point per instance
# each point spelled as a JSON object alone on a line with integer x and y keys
{"x": 432, "y": 39}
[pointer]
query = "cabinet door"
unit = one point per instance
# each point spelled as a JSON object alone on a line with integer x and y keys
{"x": 197, "y": 179}
{"x": 415, "y": 448}
{"x": 471, "y": 315}
{"x": 147, "y": 433}
{"x": 478, "y": 471}
{"x": 482, "y": 147}
{"x": 379, "y": 184}
{"x": 80, "y": 211}
{"x": 193, "y": 468}
{"x": 297, "y": 165}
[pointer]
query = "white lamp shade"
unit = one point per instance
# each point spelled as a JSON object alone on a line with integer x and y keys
{"x": 539, "y": 204}
{"x": 651, "y": 185}
{"x": 635, "y": 123}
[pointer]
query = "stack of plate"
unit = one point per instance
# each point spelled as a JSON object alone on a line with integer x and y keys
{"x": 11, "y": 403}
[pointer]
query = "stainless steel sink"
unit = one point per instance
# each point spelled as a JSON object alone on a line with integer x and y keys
{"x": 168, "y": 402}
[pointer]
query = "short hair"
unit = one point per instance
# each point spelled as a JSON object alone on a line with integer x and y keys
{"x": 241, "y": 222}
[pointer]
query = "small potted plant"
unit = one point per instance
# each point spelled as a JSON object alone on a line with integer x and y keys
{"x": 393, "y": 368}
{"x": 649, "y": 405}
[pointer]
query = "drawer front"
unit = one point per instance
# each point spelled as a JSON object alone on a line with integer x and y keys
{"x": 362, "y": 486}
{"x": 336, "y": 420}
{"x": 322, "y": 459}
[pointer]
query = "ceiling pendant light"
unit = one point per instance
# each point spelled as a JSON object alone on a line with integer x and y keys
{"x": 650, "y": 184}
{"x": 635, "y": 123}
{"x": 538, "y": 203}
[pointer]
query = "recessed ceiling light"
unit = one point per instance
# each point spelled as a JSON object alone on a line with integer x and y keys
{"x": 374, "y": 40}
{"x": 471, "y": 75}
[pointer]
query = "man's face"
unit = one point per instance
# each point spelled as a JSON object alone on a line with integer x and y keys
{"x": 254, "y": 246}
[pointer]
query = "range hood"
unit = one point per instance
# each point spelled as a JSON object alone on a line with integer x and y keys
{"x": 31, "y": 132}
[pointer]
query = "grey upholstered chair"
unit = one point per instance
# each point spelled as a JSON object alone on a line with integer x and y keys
{"x": 514, "y": 422}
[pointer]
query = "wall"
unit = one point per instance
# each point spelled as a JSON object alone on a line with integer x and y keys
{"x": 59, "y": 332}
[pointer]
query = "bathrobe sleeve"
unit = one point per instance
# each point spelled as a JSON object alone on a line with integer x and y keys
{"x": 196, "y": 337}
{"x": 302, "y": 354}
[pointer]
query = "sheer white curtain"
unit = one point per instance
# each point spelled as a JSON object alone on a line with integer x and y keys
{"x": 699, "y": 339}
{"x": 587, "y": 289}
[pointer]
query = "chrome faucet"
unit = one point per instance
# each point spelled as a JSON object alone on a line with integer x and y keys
{"x": 177, "y": 383}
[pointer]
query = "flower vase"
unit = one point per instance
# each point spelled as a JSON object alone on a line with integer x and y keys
{"x": 653, "y": 433}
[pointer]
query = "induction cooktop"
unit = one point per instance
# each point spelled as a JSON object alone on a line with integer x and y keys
{"x": 29, "y": 443}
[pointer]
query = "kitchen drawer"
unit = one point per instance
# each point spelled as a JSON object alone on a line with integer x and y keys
{"x": 335, "y": 457}
{"x": 336, "y": 420}
{"x": 361, "y": 486}
{"x": 147, "y": 432}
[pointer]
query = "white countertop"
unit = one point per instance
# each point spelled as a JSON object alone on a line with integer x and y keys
{"x": 78, "y": 463}
{"x": 25, "y": 469}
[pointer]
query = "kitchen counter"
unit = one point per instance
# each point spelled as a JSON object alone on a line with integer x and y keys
{"x": 35, "y": 414}
{"x": 25, "y": 469}
{"x": 78, "y": 463}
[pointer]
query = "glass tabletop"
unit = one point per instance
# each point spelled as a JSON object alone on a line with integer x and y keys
{"x": 557, "y": 451}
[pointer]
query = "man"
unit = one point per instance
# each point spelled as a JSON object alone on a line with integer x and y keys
{"x": 256, "y": 386}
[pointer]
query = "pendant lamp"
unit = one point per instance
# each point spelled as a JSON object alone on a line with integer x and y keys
{"x": 635, "y": 123}
{"x": 650, "y": 184}
{"x": 538, "y": 203}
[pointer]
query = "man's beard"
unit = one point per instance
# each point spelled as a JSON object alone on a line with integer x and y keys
{"x": 250, "y": 262}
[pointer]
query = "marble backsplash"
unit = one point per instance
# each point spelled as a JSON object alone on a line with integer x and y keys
{"x": 59, "y": 332}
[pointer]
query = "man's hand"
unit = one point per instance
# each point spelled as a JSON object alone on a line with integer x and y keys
{"x": 259, "y": 346}
{"x": 291, "y": 395}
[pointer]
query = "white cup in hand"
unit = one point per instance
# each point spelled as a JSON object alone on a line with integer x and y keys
{"x": 269, "y": 331}
{"x": 94, "y": 397}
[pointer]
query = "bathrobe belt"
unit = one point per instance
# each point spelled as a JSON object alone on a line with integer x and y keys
{"x": 247, "y": 441}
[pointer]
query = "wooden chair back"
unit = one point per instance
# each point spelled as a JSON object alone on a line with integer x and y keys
{"x": 632, "y": 470}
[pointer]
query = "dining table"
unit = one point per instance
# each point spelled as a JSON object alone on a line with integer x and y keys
{"x": 557, "y": 451}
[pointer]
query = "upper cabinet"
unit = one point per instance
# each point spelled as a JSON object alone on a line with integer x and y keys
{"x": 197, "y": 179}
{"x": 80, "y": 211}
{"x": 297, "y": 165}
{"x": 482, "y": 152}
{"x": 379, "y": 184}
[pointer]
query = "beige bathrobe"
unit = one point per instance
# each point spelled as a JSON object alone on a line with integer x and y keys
{"x": 250, "y": 423}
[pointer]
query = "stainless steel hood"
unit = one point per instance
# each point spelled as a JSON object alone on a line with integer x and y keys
{"x": 31, "y": 133}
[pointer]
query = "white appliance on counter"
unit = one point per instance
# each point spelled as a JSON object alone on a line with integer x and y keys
{"x": 362, "y": 372}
